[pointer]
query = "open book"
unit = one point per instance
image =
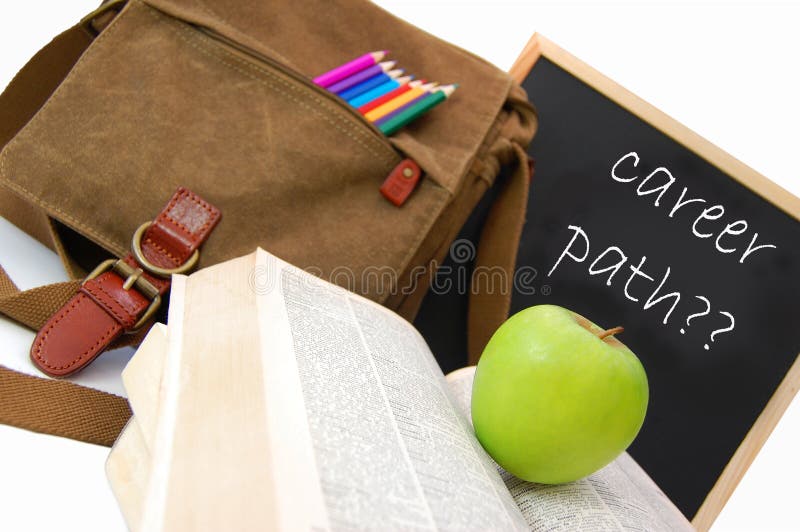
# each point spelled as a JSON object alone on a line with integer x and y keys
{"x": 277, "y": 401}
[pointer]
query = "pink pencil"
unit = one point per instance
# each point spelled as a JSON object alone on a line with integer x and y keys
{"x": 348, "y": 69}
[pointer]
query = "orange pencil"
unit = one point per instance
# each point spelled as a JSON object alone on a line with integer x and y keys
{"x": 389, "y": 96}
{"x": 398, "y": 102}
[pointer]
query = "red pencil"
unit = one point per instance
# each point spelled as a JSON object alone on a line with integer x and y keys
{"x": 367, "y": 107}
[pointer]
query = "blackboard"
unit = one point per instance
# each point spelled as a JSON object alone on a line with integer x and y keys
{"x": 599, "y": 197}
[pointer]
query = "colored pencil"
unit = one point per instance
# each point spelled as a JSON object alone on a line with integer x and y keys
{"x": 358, "y": 77}
{"x": 367, "y": 107}
{"x": 400, "y": 109}
{"x": 371, "y": 83}
{"x": 436, "y": 97}
{"x": 348, "y": 69}
{"x": 378, "y": 91}
{"x": 398, "y": 102}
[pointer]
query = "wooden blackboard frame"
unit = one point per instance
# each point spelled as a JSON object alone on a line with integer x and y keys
{"x": 537, "y": 47}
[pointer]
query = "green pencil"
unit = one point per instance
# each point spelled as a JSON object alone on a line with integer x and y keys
{"x": 436, "y": 97}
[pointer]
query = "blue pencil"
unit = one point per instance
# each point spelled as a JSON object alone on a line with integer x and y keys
{"x": 379, "y": 91}
{"x": 371, "y": 83}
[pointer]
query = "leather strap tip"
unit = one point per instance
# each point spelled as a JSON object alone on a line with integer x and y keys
{"x": 73, "y": 337}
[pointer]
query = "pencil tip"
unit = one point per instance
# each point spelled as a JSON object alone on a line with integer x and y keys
{"x": 447, "y": 90}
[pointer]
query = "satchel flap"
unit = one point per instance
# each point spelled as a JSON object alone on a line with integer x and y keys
{"x": 313, "y": 36}
{"x": 155, "y": 103}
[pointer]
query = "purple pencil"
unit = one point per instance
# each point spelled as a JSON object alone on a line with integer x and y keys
{"x": 358, "y": 77}
{"x": 348, "y": 69}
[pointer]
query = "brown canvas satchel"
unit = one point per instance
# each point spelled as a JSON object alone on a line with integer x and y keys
{"x": 146, "y": 96}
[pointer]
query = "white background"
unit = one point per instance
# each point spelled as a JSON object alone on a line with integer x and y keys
{"x": 728, "y": 70}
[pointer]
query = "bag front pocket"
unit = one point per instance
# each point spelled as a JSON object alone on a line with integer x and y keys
{"x": 156, "y": 103}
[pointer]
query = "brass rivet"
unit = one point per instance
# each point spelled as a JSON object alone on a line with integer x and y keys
{"x": 408, "y": 172}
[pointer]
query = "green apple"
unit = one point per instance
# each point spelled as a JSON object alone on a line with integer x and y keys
{"x": 555, "y": 397}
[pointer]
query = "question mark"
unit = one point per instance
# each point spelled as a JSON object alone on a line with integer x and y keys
{"x": 720, "y": 331}
{"x": 692, "y": 316}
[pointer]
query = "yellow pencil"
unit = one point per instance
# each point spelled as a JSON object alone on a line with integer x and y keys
{"x": 398, "y": 102}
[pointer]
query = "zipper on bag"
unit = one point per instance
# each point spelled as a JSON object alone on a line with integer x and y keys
{"x": 403, "y": 178}
{"x": 258, "y": 57}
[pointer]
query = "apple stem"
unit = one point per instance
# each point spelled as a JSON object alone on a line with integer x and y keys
{"x": 609, "y": 332}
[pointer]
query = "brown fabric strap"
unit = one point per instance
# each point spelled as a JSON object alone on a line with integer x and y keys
{"x": 51, "y": 406}
{"x": 32, "y": 403}
{"x": 7, "y": 286}
{"x": 33, "y": 307}
{"x": 61, "y": 408}
{"x": 495, "y": 262}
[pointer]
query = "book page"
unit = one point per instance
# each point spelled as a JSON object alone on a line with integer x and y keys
{"x": 621, "y": 496}
{"x": 361, "y": 417}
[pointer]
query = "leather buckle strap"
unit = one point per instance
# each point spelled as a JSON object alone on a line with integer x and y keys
{"x": 133, "y": 278}
{"x": 121, "y": 296}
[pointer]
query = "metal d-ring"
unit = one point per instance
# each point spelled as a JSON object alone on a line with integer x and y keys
{"x": 136, "y": 248}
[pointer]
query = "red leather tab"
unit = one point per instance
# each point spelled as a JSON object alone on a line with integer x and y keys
{"x": 103, "y": 309}
{"x": 74, "y": 336}
{"x": 179, "y": 229}
{"x": 401, "y": 182}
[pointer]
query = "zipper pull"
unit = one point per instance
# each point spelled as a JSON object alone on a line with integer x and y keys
{"x": 401, "y": 182}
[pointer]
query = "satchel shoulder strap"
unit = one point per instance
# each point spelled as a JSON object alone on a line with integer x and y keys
{"x": 33, "y": 307}
{"x": 490, "y": 301}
